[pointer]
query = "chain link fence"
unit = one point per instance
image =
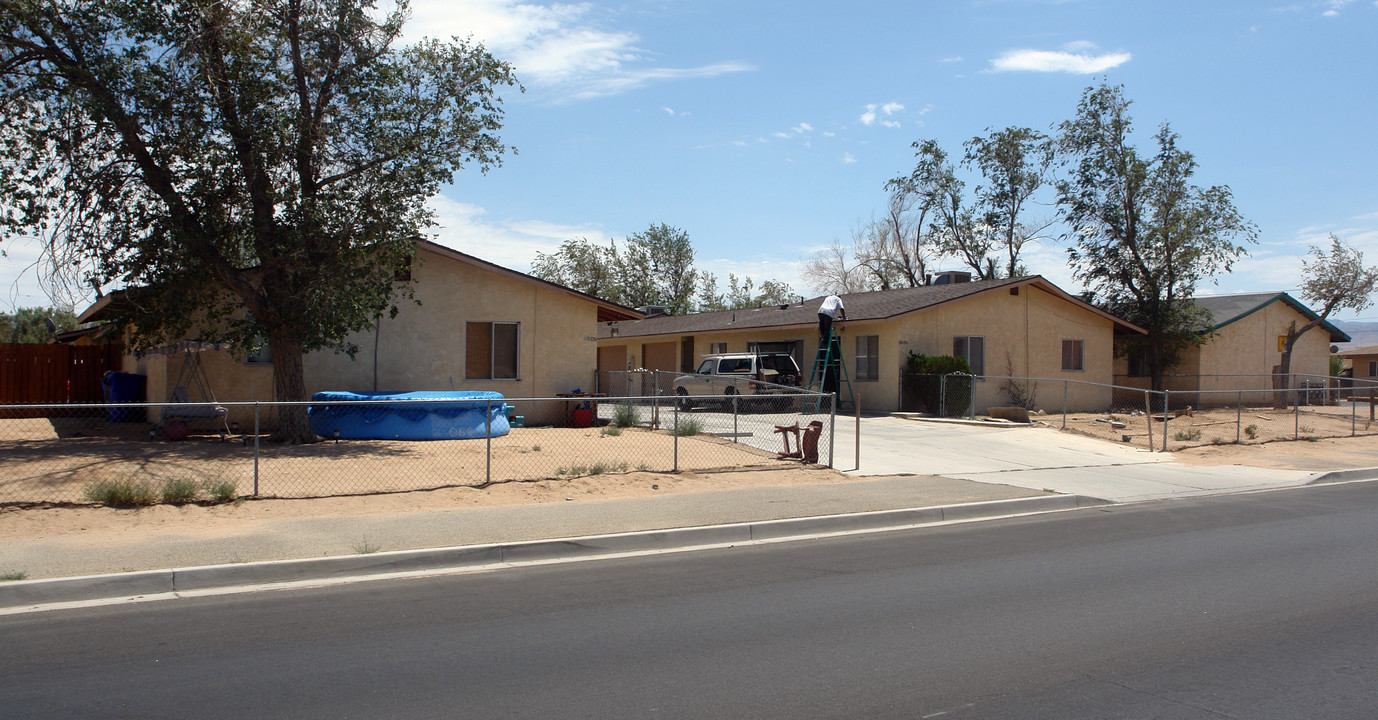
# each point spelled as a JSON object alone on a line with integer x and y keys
{"x": 132, "y": 453}
{"x": 1207, "y": 410}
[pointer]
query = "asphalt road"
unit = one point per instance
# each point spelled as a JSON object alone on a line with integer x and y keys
{"x": 1246, "y": 606}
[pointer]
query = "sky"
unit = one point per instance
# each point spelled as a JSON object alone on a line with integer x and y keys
{"x": 767, "y": 130}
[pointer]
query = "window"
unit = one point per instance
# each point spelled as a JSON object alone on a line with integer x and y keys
{"x": 973, "y": 348}
{"x": 260, "y": 354}
{"x": 1138, "y": 363}
{"x": 491, "y": 351}
{"x": 867, "y": 357}
{"x": 717, "y": 348}
{"x": 1073, "y": 352}
{"x": 1372, "y": 369}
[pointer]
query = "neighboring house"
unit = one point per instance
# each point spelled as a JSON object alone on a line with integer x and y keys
{"x": 478, "y": 326}
{"x": 1023, "y": 327}
{"x": 1363, "y": 362}
{"x": 1244, "y": 348}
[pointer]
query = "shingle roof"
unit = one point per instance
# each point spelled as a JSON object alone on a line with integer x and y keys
{"x": 1225, "y": 309}
{"x": 879, "y": 305}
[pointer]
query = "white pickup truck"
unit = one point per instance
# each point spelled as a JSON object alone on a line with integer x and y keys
{"x": 738, "y": 374}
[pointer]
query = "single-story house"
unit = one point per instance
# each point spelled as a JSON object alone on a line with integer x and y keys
{"x": 478, "y": 326}
{"x": 1019, "y": 327}
{"x": 1244, "y": 349}
{"x": 1363, "y": 362}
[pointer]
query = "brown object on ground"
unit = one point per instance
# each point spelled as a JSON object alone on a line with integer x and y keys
{"x": 811, "y": 434}
{"x": 1013, "y": 414}
{"x": 784, "y": 432}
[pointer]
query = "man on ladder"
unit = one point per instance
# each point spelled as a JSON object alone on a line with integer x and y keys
{"x": 830, "y": 309}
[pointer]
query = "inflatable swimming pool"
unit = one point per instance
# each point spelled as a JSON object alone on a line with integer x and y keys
{"x": 399, "y": 416}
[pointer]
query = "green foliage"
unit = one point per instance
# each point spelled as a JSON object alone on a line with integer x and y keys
{"x": 1334, "y": 280}
{"x": 179, "y": 490}
{"x": 250, "y": 170}
{"x": 121, "y": 493}
{"x": 1143, "y": 235}
{"x": 13, "y": 576}
{"x": 655, "y": 267}
{"x": 926, "y": 388}
{"x": 1337, "y": 366}
{"x": 624, "y": 415}
{"x": 1190, "y": 435}
{"x": 221, "y": 491}
{"x": 687, "y": 427}
{"x": 612, "y": 431}
{"x": 1251, "y": 432}
{"x": 30, "y": 325}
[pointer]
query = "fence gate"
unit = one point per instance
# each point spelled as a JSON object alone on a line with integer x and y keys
{"x": 32, "y": 373}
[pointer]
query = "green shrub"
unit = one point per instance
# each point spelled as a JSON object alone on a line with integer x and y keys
{"x": 924, "y": 386}
{"x": 11, "y": 576}
{"x": 687, "y": 427}
{"x": 222, "y": 491}
{"x": 179, "y": 490}
{"x": 613, "y": 430}
{"x": 121, "y": 493}
{"x": 1252, "y": 432}
{"x": 1187, "y": 435}
{"x": 624, "y": 415}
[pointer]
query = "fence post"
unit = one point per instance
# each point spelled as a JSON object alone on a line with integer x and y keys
{"x": 488, "y": 443}
{"x": 1064, "y": 404}
{"x": 1167, "y": 403}
{"x": 942, "y": 395}
{"x": 255, "y": 448}
{"x": 858, "y": 431}
{"x": 1238, "y": 416}
{"x": 1148, "y": 415}
{"x": 832, "y": 429}
{"x": 1296, "y": 415}
{"x": 734, "y": 417}
{"x": 675, "y": 434}
{"x": 1353, "y": 415}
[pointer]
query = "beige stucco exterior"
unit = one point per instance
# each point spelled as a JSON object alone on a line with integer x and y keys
{"x": 423, "y": 347}
{"x": 1023, "y": 338}
{"x": 1242, "y": 355}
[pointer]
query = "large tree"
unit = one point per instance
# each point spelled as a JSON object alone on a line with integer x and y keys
{"x": 1014, "y": 165}
{"x": 245, "y": 168}
{"x": 35, "y": 325}
{"x": 1334, "y": 280}
{"x": 1143, "y": 235}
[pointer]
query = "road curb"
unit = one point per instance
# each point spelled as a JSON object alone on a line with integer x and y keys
{"x": 23, "y": 595}
{"x": 1335, "y": 476}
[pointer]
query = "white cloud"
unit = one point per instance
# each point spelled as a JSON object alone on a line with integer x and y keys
{"x": 801, "y": 128}
{"x": 953, "y": 59}
{"x": 873, "y": 113}
{"x": 848, "y": 158}
{"x": 1077, "y": 57}
{"x": 509, "y": 243}
{"x": 559, "y": 49}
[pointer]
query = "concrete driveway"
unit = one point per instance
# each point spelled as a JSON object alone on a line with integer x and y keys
{"x": 1037, "y": 458}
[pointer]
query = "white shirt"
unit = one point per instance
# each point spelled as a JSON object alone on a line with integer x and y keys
{"x": 830, "y": 306}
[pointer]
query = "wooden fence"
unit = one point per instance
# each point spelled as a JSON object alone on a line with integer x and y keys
{"x": 54, "y": 373}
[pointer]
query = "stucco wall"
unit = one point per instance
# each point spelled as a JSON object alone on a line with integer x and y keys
{"x": 423, "y": 348}
{"x": 1029, "y": 326}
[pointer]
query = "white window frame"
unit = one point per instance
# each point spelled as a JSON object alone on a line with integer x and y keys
{"x": 493, "y": 350}
{"x": 961, "y": 347}
{"x": 868, "y": 358}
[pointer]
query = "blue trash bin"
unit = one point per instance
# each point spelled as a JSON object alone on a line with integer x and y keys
{"x": 124, "y": 388}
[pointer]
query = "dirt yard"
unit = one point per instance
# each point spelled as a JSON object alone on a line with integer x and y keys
{"x": 1218, "y": 427}
{"x": 48, "y": 461}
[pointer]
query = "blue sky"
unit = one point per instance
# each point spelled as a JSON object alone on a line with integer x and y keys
{"x": 767, "y": 129}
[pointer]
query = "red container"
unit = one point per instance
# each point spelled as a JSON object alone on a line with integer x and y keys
{"x": 583, "y": 417}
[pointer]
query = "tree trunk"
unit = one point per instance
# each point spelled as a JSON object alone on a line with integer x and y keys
{"x": 289, "y": 385}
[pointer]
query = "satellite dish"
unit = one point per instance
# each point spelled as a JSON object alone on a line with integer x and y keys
{"x": 1334, "y": 349}
{"x": 52, "y": 326}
